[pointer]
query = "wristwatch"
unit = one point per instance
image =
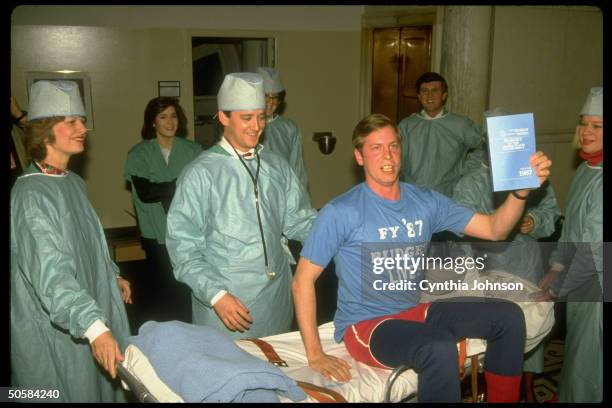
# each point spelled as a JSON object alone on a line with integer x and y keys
{"x": 515, "y": 194}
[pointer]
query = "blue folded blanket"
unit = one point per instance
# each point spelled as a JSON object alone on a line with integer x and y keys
{"x": 203, "y": 364}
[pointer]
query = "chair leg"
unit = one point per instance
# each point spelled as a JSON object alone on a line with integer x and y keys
{"x": 474, "y": 367}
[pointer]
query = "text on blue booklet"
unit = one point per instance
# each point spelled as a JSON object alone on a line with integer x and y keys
{"x": 511, "y": 141}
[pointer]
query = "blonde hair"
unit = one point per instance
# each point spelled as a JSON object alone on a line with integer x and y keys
{"x": 370, "y": 124}
{"x": 576, "y": 140}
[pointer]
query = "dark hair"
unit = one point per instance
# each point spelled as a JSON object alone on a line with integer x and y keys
{"x": 370, "y": 124}
{"x": 431, "y": 77}
{"x": 154, "y": 108}
{"x": 38, "y": 133}
{"x": 281, "y": 102}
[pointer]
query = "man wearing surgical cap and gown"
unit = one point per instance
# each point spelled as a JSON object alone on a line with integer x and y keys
{"x": 521, "y": 255}
{"x": 226, "y": 223}
{"x": 281, "y": 135}
{"x": 435, "y": 141}
{"x": 66, "y": 293}
{"x": 576, "y": 267}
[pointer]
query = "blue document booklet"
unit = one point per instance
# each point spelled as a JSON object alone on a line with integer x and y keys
{"x": 511, "y": 141}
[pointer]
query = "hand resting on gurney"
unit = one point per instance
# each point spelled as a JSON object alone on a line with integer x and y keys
{"x": 367, "y": 383}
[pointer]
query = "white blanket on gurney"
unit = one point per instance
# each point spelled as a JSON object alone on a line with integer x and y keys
{"x": 367, "y": 383}
{"x": 203, "y": 364}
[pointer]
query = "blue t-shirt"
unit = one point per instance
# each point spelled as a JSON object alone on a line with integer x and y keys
{"x": 359, "y": 227}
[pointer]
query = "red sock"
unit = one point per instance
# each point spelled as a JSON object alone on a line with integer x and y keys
{"x": 502, "y": 388}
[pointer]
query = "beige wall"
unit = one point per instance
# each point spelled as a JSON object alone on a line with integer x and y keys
{"x": 545, "y": 60}
{"x": 319, "y": 69}
{"x": 322, "y": 95}
{"x": 124, "y": 67}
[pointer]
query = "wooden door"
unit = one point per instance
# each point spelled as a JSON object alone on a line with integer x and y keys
{"x": 399, "y": 57}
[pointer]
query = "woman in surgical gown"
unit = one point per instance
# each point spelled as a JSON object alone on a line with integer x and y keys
{"x": 152, "y": 167}
{"x": 576, "y": 272}
{"x": 281, "y": 135}
{"x": 64, "y": 287}
{"x": 521, "y": 255}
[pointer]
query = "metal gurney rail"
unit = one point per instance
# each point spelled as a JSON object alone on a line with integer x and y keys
{"x": 368, "y": 384}
{"x": 139, "y": 390}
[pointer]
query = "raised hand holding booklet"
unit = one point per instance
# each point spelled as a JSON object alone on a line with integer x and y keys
{"x": 511, "y": 141}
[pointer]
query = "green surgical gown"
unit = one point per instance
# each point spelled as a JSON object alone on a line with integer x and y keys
{"x": 214, "y": 240}
{"x": 433, "y": 150}
{"x": 146, "y": 160}
{"x": 582, "y": 372}
{"x": 522, "y": 256}
{"x": 62, "y": 281}
{"x": 283, "y": 137}
{"x": 474, "y": 159}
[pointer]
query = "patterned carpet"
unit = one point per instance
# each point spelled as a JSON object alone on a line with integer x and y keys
{"x": 545, "y": 384}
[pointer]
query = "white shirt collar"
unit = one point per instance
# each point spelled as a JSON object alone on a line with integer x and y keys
{"x": 596, "y": 167}
{"x": 438, "y": 116}
{"x": 228, "y": 148}
{"x": 271, "y": 119}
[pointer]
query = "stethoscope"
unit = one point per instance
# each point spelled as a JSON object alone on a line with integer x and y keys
{"x": 271, "y": 274}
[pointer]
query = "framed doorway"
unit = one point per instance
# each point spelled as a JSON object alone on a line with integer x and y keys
{"x": 399, "y": 56}
{"x": 395, "y": 17}
{"x": 212, "y": 59}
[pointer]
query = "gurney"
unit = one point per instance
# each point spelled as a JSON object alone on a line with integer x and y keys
{"x": 368, "y": 384}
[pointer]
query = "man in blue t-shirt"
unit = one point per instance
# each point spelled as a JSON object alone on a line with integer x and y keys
{"x": 383, "y": 220}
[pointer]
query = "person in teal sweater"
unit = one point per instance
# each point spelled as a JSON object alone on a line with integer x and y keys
{"x": 152, "y": 167}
